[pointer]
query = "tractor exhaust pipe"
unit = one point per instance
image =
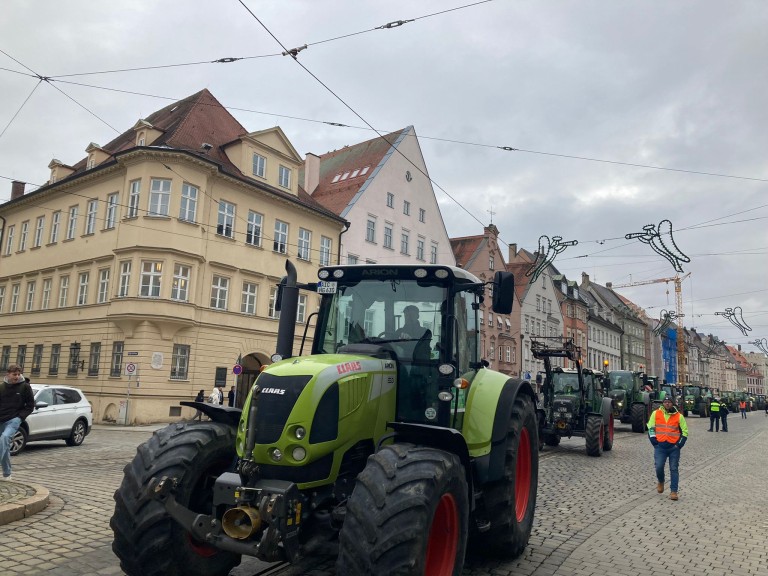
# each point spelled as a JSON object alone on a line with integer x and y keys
{"x": 287, "y": 303}
{"x": 241, "y": 523}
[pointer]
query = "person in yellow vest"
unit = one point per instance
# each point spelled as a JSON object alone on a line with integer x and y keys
{"x": 668, "y": 432}
{"x": 714, "y": 415}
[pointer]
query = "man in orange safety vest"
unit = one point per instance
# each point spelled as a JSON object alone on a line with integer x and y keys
{"x": 668, "y": 433}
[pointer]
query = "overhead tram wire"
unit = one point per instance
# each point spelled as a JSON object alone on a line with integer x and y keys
{"x": 20, "y": 108}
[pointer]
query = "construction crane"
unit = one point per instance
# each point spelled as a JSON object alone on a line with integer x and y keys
{"x": 682, "y": 360}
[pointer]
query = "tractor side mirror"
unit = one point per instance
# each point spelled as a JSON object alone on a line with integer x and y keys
{"x": 503, "y": 292}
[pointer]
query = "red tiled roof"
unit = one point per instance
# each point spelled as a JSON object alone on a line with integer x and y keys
{"x": 464, "y": 250}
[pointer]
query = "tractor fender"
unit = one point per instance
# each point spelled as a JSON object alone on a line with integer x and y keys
{"x": 607, "y": 409}
{"x": 646, "y": 398}
{"x": 216, "y": 412}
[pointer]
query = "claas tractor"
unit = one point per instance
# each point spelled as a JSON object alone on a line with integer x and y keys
{"x": 573, "y": 404}
{"x": 630, "y": 397}
{"x": 396, "y": 444}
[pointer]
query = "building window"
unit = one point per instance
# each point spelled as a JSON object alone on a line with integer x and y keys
{"x": 420, "y": 249}
{"x": 188, "y": 210}
{"x": 352, "y": 259}
{"x": 103, "y": 286}
{"x": 219, "y": 290}
{"x": 23, "y": 236}
{"x": 151, "y": 275}
{"x": 133, "y": 199}
{"x": 253, "y": 231}
{"x": 491, "y": 263}
{"x": 301, "y": 310}
{"x": 72, "y": 223}
{"x": 271, "y": 312}
{"x": 94, "y": 357}
{"x": 110, "y": 218}
{"x": 74, "y": 359}
{"x": 404, "y": 243}
{"x": 63, "y": 291}
{"x": 45, "y": 304}
{"x": 116, "y": 365}
{"x": 325, "y": 250}
{"x": 226, "y": 222}
{"x": 53, "y": 363}
{"x": 248, "y": 302}
{"x": 433, "y": 254}
{"x": 55, "y": 221}
{"x": 388, "y": 236}
{"x": 180, "y": 286}
{"x": 305, "y": 241}
{"x": 6, "y": 358}
{"x": 82, "y": 289}
{"x": 490, "y": 319}
{"x": 9, "y": 240}
{"x": 280, "y": 243}
{"x": 2, "y": 298}
{"x": 39, "y": 227}
{"x": 90, "y": 216}
{"x": 259, "y": 165}
{"x": 159, "y": 197}
{"x": 422, "y": 215}
{"x": 15, "y": 289}
{"x": 370, "y": 231}
{"x": 37, "y": 358}
{"x": 180, "y": 362}
{"x": 406, "y": 208}
{"x": 21, "y": 355}
{"x": 538, "y": 303}
{"x": 390, "y": 200}
{"x": 284, "y": 177}
{"x": 125, "y": 278}
{"x": 30, "y": 296}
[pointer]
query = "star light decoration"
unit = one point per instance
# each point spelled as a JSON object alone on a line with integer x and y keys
{"x": 762, "y": 344}
{"x": 548, "y": 250}
{"x": 654, "y": 237}
{"x": 711, "y": 351}
{"x": 736, "y": 317}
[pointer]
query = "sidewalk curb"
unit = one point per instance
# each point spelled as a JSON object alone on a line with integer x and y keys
{"x": 25, "y": 507}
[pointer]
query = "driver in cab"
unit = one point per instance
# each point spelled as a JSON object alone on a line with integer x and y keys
{"x": 411, "y": 328}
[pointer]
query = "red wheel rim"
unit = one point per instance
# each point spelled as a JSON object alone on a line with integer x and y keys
{"x": 602, "y": 435}
{"x": 201, "y": 549}
{"x": 522, "y": 475}
{"x": 443, "y": 538}
{"x": 610, "y": 429}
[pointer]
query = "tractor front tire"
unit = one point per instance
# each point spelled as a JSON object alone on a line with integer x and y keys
{"x": 608, "y": 436}
{"x": 551, "y": 439}
{"x": 511, "y": 501}
{"x": 408, "y": 515}
{"x": 594, "y": 435}
{"x": 147, "y": 540}
{"x": 638, "y": 418}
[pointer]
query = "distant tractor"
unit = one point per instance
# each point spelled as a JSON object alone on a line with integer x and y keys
{"x": 572, "y": 403}
{"x": 697, "y": 400}
{"x": 631, "y": 402}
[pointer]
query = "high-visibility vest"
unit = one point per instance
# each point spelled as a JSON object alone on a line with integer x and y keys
{"x": 667, "y": 430}
{"x": 742, "y": 405}
{"x": 714, "y": 406}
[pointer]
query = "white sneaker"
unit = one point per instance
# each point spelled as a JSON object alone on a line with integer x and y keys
{"x": 7, "y": 478}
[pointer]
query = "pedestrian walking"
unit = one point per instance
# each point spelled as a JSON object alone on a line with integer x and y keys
{"x": 231, "y": 397}
{"x": 743, "y": 408}
{"x": 714, "y": 415}
{"x": 16, "y": 403}
{"x": 216, "y": 396}
{"x": 724, "y": 415}
{"x": 668, "y": 433}
{"x": 199, "y": 398}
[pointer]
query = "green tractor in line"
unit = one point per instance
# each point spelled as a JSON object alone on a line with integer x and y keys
{"x": 697, "y": 400}
{"x": 573, "y": 404}
{"x": 660, "y": 390}
{"x": 630, "y": 398}
{"x": 395, "y": 444}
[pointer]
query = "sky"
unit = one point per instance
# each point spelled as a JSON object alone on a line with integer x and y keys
{"x": 620, "y": 114}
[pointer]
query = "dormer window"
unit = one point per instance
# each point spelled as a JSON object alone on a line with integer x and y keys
{"x": 336, "y": 178}
{"x": 91, "y": 162}
{"x": 284, "y": 177}
{"x": 364, "y": 170}
{"x": 140, "y": 139}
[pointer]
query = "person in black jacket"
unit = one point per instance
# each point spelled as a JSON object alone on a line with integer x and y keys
{"x": 724, "y": 414}
{"x": 16, "y": 403}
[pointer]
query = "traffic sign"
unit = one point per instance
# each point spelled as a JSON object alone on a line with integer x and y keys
{"x": 133, "y": 353}
{"x": 237, "y": 369}
{"x": 130, "y": 368}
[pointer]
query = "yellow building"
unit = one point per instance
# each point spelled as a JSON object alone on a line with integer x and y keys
{"x": 142, "y": 273}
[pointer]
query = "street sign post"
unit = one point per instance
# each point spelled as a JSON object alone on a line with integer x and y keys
{"x": 130, "y": 368}
{"x": 237, "y": 369}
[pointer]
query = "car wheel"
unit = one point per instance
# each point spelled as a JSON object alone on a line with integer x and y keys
{"x": 18, "y": 441}
{"x": 78, "y": 434}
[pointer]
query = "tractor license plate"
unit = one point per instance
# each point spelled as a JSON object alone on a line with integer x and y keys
{"x": 325, "y": 287}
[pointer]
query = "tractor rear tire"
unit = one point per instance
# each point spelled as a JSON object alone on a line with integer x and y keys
{"x": 594, "y": 435}
{"x": 408, "y": 515}
{"x": 551, "y": 439}
{"x": 511, "y": 501}
{"x": 638, "y": 418}
{"x": 608, "y": 436}
{"x": 148, "y": 541}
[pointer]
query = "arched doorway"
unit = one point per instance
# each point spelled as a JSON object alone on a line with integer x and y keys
{"x": 251, "y": 364}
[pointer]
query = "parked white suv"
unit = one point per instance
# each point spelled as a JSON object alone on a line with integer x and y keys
{"x": 61, "y": 413}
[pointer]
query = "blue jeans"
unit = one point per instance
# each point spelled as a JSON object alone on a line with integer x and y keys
{"x": 660, "y": 454}
{"x": 7, "y": 430}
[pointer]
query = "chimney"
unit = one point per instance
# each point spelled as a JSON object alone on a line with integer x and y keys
{"x": 17, "y": 189}
{"x": 311, "y": 172}
{"x": 512, "y": 252}
{"x": 739, "y": 347}
{"x": 584, "y": 279}
{"x": 609, "y": 285}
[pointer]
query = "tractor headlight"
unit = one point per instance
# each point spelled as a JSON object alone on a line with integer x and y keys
{"x": 276, "y": 454}
{"x": 298, "y": 453}
{"x": 299, "y": 432}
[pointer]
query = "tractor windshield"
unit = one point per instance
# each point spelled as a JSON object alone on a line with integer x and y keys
{"x": 620, "y": 380}
{"x": 565, "y": 383}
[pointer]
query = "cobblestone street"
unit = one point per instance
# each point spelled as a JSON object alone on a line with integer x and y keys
{"x": 594, "y": 516}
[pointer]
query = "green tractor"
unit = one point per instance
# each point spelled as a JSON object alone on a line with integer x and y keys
{"x": 573, "y": 404}
{"x": 660, "y": 390}
{"x": 630, "y": 398}
{"x": 697, "y": 400}
{"x": 393, "y": 443}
